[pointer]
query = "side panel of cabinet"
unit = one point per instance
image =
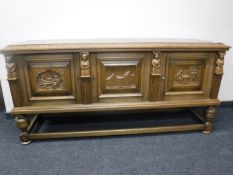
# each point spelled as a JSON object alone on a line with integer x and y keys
{"x": 121, "y": 77}
{"x": 49, "y": 79}
{"x": 188, "y": 75}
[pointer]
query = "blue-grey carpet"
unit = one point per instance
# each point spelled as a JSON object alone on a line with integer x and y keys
{"x": 158, "y": 154}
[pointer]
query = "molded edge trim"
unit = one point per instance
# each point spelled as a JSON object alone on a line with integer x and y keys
{"x": 113, "y": 106}
{"x": 70, "y": 47}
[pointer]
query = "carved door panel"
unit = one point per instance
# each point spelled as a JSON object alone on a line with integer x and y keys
{"x": 49, "y": 77}
{"x": 188, "y": 75}
{"x": 121, "y": 77}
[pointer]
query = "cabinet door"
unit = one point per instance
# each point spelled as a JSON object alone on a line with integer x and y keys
{"x": 49, "y": 77}
{"x": 188, "y": 75}
{"x": 122, "y": 77}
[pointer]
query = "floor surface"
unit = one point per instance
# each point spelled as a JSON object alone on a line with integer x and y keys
{"x": 191, "y": 153}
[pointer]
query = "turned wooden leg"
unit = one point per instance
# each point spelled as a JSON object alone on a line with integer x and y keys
{"x": 22, "y": 123}
{"x": 209, "y": 116}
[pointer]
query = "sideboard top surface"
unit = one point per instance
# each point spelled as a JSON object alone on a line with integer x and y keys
{"x": 111, "y": 44}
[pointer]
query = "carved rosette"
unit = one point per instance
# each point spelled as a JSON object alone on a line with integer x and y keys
{"x": 11, "y": 68}
{"x": 219, "y": 63}
{"x": 85, "y": 65}
{"x": 156, "y": 64}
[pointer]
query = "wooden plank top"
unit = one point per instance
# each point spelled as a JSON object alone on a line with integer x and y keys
{"x": 111, "y": 44}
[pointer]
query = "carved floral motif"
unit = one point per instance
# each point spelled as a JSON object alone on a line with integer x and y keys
{"x": 187, "y": 75}
{"x": 49, "y": 80}
{"x": 85, "y": 65}
{"x": 155, "y": 64}
{"x": 219, "y": 63}
{"x": 11, "y": 67}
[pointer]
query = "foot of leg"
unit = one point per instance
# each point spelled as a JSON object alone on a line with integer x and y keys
{"x": 22, "y": 123}
{"x": 209, "y": 116}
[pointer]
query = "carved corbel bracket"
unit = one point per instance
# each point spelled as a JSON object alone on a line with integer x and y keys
{"x": 156, "y": 64}
{"x": 10, "y": 67}
{"x": 85, "y": 65}
{"x": 219, "y": 63}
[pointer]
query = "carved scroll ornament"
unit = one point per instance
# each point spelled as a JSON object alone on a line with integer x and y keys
{"x": 219, "y": 63}
{"x": 85, "y": 65}
{"x": 11, "y": 67}
{"x": 155, "y": 64}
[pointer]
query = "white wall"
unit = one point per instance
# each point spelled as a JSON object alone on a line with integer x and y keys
{"x": 67, "y": 19}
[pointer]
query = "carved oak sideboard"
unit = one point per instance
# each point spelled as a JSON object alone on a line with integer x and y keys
{"x": 112, "y": 75}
